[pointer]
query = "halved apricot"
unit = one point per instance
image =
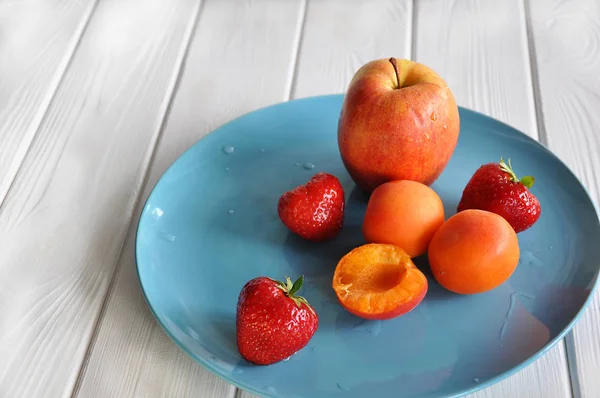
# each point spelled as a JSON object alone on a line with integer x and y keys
{"x": 378, "y": 281}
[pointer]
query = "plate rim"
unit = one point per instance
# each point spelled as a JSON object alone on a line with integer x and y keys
{"x": 477, "y": 387}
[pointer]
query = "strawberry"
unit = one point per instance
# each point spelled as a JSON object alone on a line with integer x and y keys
{"x": 495, "y": 187}
{"x": 272, "y": 322}
{"x": 315, "y": 210}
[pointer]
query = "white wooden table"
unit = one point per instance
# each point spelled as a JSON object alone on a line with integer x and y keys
{"x": 98, "y": 97}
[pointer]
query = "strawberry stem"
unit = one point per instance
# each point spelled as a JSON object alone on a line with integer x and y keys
{"x": 507, "y": 168}
{"x": 290, "y": 289}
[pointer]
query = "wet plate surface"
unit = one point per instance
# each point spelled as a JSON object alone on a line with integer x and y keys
{"x": 211, "y": 224}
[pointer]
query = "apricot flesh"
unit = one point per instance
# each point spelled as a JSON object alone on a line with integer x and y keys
{"x": 404, "y": 213}
{"x": 378, "y": 281}
{"x": 474, "y": 251}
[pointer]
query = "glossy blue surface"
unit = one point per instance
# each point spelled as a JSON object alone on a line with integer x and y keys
{"x": 211, "y": 224}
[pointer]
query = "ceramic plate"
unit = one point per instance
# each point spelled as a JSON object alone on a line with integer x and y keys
{"x": 211, "y": 224}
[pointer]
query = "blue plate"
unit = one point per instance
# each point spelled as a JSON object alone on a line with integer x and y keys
{"x": 211, "y": 224}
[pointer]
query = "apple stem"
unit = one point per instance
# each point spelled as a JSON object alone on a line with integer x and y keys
{"x": 395, "y": 65}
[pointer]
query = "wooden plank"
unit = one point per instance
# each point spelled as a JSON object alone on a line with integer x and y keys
{"x": 66, "y": 215}
{"x": 480, "y": 48}
{"x": 35, "y": 49}
{"x": 565, "y": 44}
{"x": 132, "y": 356}
{"x": 340, "y": 36}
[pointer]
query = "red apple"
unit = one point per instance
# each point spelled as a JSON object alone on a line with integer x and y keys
{"x": 399, "y": 121}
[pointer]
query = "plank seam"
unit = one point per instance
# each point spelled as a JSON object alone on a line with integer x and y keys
{"x": 412, "y": 41}
{"x": 296, "y": 59}
{"x": 239, "y": 393}
{"x": 535, "y": 80}
{"x": 543, "y": 138}
{"x": 569, "y": 344}
{"x": 42, "y": 112}
{"x": 155, "y": 142}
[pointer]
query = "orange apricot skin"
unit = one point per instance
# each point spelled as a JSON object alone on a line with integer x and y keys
{"x": 473, "y": 252}
{"x": 400, "y": 310}
{"x": 406, "y": 295}
{"x": 404, "y": 213}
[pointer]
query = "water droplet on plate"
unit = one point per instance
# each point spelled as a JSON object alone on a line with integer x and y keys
{"x": 308, "y": 166}
{"x": 230, "y": 211}
{"x": 503, "y": 329}
{"x": 228, "y": 149}
{"x": 262, "y": 150}
{"x": 511, "y": 308}
{"x": 157, "y": 213}
{"x": 529, "y": 258}
{"x": 226, "y": 168}
{"x": 476, "y": 380}
{"x": 168, "y": 237}
{"x": 297, "y": 164}
{"x": 193, "y": 333}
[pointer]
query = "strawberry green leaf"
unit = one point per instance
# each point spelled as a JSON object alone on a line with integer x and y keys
{"x": 528, "y": 181}
{"x": 507, "y": 168}
{"x": 297, "y": 285}
{"x": 290, "y": 289}
{"x": 288, "y": 284}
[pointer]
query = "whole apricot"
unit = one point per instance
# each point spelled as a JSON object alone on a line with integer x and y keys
{"x": 474, "y": 251}
{"x": 404, "y": 213}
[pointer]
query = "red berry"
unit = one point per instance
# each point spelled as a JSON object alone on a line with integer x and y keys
{"x": 272, "y": 322}
{"x": 495, "y": 187}
{"x": 315, "y": 210}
